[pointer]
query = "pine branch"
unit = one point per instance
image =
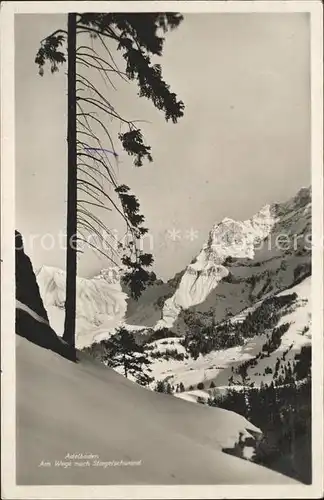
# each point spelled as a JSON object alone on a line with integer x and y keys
{"x": 86, "y": 115}
{"x": 98, "y": 250}
{"x": 92, "y": 87}
{"x": 91, "y": 228}
{"x": 94, "y": 204}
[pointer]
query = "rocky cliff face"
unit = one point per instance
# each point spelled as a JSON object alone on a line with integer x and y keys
{"x": 27, "y": 290}
{"x": 243, "y": 260}
{"x": 31, "y": 316}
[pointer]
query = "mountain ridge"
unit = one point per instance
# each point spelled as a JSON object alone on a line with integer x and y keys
{"x": 236, "y": 264}
{"x": 231, "y": 240}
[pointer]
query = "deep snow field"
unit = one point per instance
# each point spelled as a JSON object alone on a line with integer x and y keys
{"x": 70, "y": 408}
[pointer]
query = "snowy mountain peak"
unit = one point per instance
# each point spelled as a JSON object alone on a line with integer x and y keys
{"x": 100, "y": 304}
{"x": 303, "y": 196}
{"x": 231, "y": 239}
{"x": 51, "y": 282}
{"x": 238, "y": 263}
{"x": 301, "y": 200}
{"x": 49, "y": 271}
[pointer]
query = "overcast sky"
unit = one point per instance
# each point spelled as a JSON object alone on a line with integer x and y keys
{"x": 244, "y": 140}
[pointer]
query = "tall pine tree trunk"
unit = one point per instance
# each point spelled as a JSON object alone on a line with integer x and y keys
{"x": 71, "y": 255}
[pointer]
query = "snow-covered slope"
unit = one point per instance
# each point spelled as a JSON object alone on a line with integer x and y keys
{"x": 218, "y": 366}
{"x": 101, "y": 303}
{"x": 66, "y": 408}
{"x": 244, "y": 260}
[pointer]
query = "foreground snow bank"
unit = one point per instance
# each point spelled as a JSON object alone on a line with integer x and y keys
{"x": 124, "y": 433}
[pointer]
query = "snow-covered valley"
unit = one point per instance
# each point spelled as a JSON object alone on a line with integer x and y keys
{"x": 216, "y": 368}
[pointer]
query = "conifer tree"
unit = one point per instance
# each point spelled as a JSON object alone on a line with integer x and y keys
{"x": 160, "y": 386}
{"x": 122, "y": 350}
{"x": 138, "y": 36}
{"x": 168, "y": 388}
